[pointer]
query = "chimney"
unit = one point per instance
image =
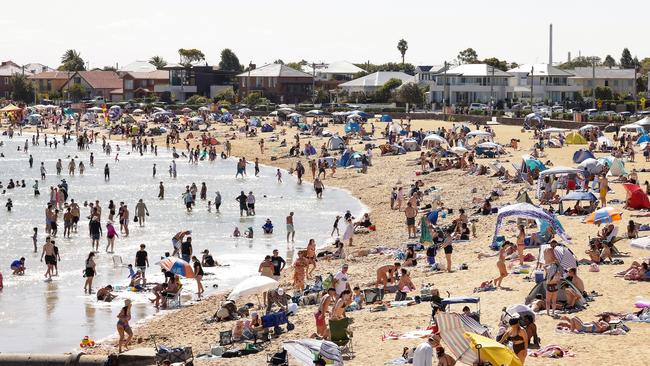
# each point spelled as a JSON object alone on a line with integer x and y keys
{"x": 550, "y": 44}
{"x": 569, "y": 57}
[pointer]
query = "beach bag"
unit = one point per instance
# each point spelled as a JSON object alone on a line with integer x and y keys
{"x": 135, "y": 219}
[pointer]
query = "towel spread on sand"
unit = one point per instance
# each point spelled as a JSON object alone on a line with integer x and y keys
{"x": 414, "y": 334}
{"x": 551, "y": 351}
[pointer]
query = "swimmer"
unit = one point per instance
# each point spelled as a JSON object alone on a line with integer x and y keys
{"x": 236, "y": 233}
{"x": 104, "y": 294}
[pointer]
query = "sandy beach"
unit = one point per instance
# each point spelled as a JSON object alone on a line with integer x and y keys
{"x": 456, "y": 188}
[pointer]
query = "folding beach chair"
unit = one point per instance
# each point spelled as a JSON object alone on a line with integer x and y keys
{"x": 280, "y": 358}
{"x": 225, "y": 338}
{"x": 339, "y": 336}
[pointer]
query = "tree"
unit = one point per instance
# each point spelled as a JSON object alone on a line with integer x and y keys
{"x": 604, "y": 93}
{"x": 22, "y": 89}
{"x": 109, "y": 68}
{"x": 158, "y": 62}
{"x": 384, "y": 92}
{"x": 54, "y": 95}
{"x": 229, "y": 61}
{"x": 402, "y": 46}
{"x": 76, "y": 92}
{"x": 72, "y": 61}
{"x": 226, "y": 94}
{"x": 252, "y": 99}
{"x": 196, "y": 100}
{"x": 410, "y": 93}
{"x": 369, "y": 68}
{"x": 279, "y": 61}
{"x": 580, "y": 61}
{"x": 626, "y": 59}
{"x": 496, "y": 63}
{"x": 467, "y": 56}
{"x": 190, "y": 56}
{"x": 609, "y": 61}
{"x": 296, "y": 65}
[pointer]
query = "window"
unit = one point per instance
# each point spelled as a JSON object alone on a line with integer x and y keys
{"x": 49, "y": 85}
{"x": 77, "y": 80}
{"x": 615, "y": 82}
{"x": 128, "y": 84}
{"x": 243, "y": 82}
{"x": 258, "y": 82}
{"x": 606, "y": 82}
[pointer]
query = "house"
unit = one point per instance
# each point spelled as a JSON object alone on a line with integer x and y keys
{"x": 546, "y": 83}
{"x": 10, "y": 68}
{"x": 96, "y": 83}
{"x": 48, "y": 81}
{"x": 469, "y": 83}
{"x": 329, "y": 76}
{"x": 204, "y": 80}
{"x": 137, "y": 66}
{"x": 279, "y": 83}
{"x": 138, "y": 84}
{"x": 371, "y": 83}
{"x": 621, "y": 81}
{"x": 425, "y": 74}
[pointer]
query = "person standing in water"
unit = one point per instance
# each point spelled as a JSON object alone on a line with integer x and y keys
{"x": 140, "y": 211}
{"x": 50, "y": 259}
{"x": 43, "y": 171}
{"x": 161, "y": 191}
{"x": 123, "y": 326}
{"x": 319, "y": 187}
{"x": 291, "y": 232}
{"x": 107, "y": 172}
{"x": 35, "y": 239}
{"x": 154, "y": 170}
{"x": 95, "y": 229}
{"x": 243, "y": 207}
{"x": 89, "y": 273}
{"x": 198, "y": 275}
{"x": 111, "y": 233}
{"x": 217, "y": 201}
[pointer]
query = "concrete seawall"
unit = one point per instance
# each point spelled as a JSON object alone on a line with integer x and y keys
{"x": 131, "y": 358}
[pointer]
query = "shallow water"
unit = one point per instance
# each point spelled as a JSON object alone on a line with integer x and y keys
{"x": 54, "y": 316}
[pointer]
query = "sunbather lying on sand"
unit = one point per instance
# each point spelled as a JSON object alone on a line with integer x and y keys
{"x": 576, "y": 325}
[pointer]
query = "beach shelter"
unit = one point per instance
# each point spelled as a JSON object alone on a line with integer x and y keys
{"x": 557, "y": 171}
{"x": 9, "y": 108}
{"x": 579, "y": 196}
{"x": 636, "y": 197}
{"x": 177, "y": 266}
{"x": 267, "y": 128}
{"x": 632, "y": 127}
{"x": 617, "y": 168}
{"x": 603, "y": 140}
{"x": 355, "y": 160}
{"x": 530, "y": 163}
{"x": 352, "y": 126}
{"x": 528, "y": 211}
{"x": 305, "y": 350}
{"x": 252, "y": 286}
{"x": 410, "y": 145}
{"x": 335, "y": 143}
{"x": 591, "y": 165}
{"x": 604, "y": 215}
{"x": 343, "y": 161}
{"x": 433, "y": 140}
{"x": 492, "y": 351}
{"x": 587, "y": 127}
{"x": 452, "y": 333}
{"x": 582, "y": 155}
{"x": 254, "y": 122}
{"x": 386, "y": 118}
{"x": 539, "y": 289}
{"x": 643, "y": 138}
{"x": 478, "y": 133}
{"x": 575, "y": 138}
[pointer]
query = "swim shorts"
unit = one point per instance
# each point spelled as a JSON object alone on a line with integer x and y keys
{"x": 290, "y": 228}
{"x": 50, "y": 259}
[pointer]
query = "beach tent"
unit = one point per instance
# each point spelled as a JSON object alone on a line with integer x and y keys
{"x": 410, "y": 145}
{"x": 643, "y": 138}
{"x": 603, "y": 140}
{"x": 532, "y": 117}
{"x": 386, "y": 118}
{"x": 636, "y": 197}
{"x": 582, "y": 155}
{"x": 575, "y": 138}
{"x": 617, "y": 168}
{"x": 355, "y": 160}
{"x": 433, "y": 140}
{"x": 557, "y": 171}
{"x": 343, "y": 161}
{"x": 523, "y": 197}
{"x": 254, "y": 122}
{"x": 586, "y": 128}
{"x": 592, "y": 165}
{"x": 252, "y": 286}
{"x": 304, "y": 351}
{"x": 632, "y": 127}
{"x": 540, "y": 289}
{"x": 530, "y": 163}
{"x": 352, "y": 126}
{"x": 528, "y": 211}
{"x": 335, "y": 143}
{"x": 267, "y": 128}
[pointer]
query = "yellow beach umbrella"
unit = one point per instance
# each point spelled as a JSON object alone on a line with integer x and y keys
{"x": 490, "y": 350}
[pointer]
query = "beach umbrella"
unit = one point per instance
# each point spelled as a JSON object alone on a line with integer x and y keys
{"x": 291, "y": 115}
{"x": 587, "y": 127}
{"x": 604, "y": 215}
{"x": 459, "y": 150}
{"x": 286, "y": 109}
{"x": 177, "y": 266}
{"x": 303, "y": 351}
{"x": 452, "y": 333}
{"x": 284, "y": 106}
{"x": 186, "y": 110}
{"x": 489, "y": 145}
{"x": 138, "y": 110}
{"x": 252, "y": 286}
{"x": 492, "y": 351}
{"x": 643, "y": 138}
{"x": 435, "y": 138}
{"x": 9, "y": 108}
{"x": 95, "y": 109}
{"x": 315, "y": 112}
{"x": 204, "y": 108}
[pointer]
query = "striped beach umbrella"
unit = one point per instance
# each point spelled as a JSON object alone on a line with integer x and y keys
{"x": 177, "y": 266}
{"x": 604, "y": 215}
{"x": 452, "y": 333}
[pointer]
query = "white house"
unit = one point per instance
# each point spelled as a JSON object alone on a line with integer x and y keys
{"x": 469, "y": 83}
{"x": 337, "y": 71}
{"x": 371, "y": 83}
{"x": 545, "y": 82}
{"x": 619, "y": 80}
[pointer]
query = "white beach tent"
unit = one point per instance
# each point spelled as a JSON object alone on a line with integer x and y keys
{"x": 478, "y": 133}
{"x": 587, "y": 128}
{"x": 557, "y": 171}
{"x": 335, "y": 143}
{"x": 253, "y": 286}
{"x": 645, "y": 121}
{"x": 632, "y": 127}
{"x": 604, "y": 140}
{"x": 433, "y": 139}
{"x": 303, "y": 351}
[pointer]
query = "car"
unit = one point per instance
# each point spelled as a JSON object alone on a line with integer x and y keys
{"x": 477, "y": 107}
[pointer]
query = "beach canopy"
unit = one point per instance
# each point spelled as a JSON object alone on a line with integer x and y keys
{"x": 579, "y": 196}
{"x": 555, "y": 130}
{"x": 591, "y": 165}
{"x": 603, "y": 140}
{"x": 643, "y": 138}
{"x": 252, "y": 286}
{"x": 478, "y": 133}
{"x": 386, "y": 118}
{"x": 528, "y": 211}
{"x": 604, "y": 215}
{"x": 575, "y": 138}
{"x": 432, "y": 139}
{"x": 177, "y": 266}
{"x": 492, "y": 351}
{"x": 560, "y": 170}
{"x": 632, "y": 127}
{"x": 636, "y": 197}
{"x": 582, "y": 155}
{"x": 304, "y": 351}
{"x": 9, "y": 108}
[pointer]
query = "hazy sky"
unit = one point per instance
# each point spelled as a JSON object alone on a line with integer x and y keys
{"x": 265, "y": 30}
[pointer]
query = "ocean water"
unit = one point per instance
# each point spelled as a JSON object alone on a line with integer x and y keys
{"x": 40, "y": 316}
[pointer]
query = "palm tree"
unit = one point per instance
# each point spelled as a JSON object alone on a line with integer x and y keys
{"x": 158, "y": 62}
{"x": 402, "y": 46}
{"x": 72, "y": 61}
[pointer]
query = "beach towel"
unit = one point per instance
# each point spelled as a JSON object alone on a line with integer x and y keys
{"x": 551, "y": 351}
{"x": 414, "y": 334}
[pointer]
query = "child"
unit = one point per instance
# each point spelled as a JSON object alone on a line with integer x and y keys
{"x": 35, "y": 238}
{"x": 9, "y": 204}
{"x": 357, "y": 297}
{"x": 279, "y": 175}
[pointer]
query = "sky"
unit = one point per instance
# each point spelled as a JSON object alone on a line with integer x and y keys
{"x": 261, "y": 31}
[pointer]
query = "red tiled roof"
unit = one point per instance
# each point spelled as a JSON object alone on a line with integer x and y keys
{"x": 100, "y": 79}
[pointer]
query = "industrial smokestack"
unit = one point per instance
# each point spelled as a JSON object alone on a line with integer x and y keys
{"x": 550, "y": 44}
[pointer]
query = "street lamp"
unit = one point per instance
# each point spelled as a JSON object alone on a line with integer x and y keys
{"x": 532, "y": 84}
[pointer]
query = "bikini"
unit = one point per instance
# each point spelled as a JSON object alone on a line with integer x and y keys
{"x": 517, "y": 347}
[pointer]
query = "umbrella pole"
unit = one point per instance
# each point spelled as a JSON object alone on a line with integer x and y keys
{"x": 478, "y": 351}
